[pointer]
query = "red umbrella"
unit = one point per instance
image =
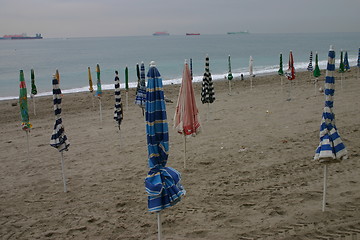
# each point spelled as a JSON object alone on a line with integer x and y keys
{"x": 291, "y": 70}
{"x": 186, "y": 119}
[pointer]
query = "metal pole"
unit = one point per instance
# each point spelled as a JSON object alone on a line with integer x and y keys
{"x": 324, "y": 192}
{"x": 159, "y": 226}
{"x": 184, "y": 151}
{"x": 63, "y": 171}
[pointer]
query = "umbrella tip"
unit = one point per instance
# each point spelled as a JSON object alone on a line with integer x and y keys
{"x": 331, "y": 48}
{"x": 152, "y": 64}
{"x": 185, "y": 62}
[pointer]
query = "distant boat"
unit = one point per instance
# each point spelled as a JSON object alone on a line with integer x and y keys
{"x": 191, "y": 34}
{"x": 241, "y": 32}
{"x": 161, "y": 34}
{"x": 20, "y": 36}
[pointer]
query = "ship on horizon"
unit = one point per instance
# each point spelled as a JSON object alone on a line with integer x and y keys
{"x": 241, "y": 32}
{"x": 20, "y": 36}
{"x": 164, "y": 33}
{"x": 192, "y": 34}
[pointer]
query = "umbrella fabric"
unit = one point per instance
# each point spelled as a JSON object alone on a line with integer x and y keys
{"x": 141, "y": 94}
{"x": 310, "y": 66}
{"x": 331, "y": 147}
{"x": 191, "y": 69}
{"x": 33, "y": 86}
{"x": 291, "y": 70}
{"x": 346, "y": 62}
{"x": 58, "y": 138}
{"x": 138, "y": 80}
{"x": 186, "y": 113}
{"x": 98, "y": 83}
{"x": 207, "y": 91}
{"x": 251, "y": 62}
{"x": 118, "y": 112}
{"x": 162, "y": 183}
{"x": 281, "y": 71}
{"x": 230, "y": 76}
{"x": 341, "y": 66}
{"x": 358, "y": 62}
{"x": 91, "y": 89}
{"x": 316, "y": 72}
{"x": 126, "y": 78}
{"x": 24, "y": 111}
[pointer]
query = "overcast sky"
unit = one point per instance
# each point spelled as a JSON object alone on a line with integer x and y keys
{"x": 87, "y": 18}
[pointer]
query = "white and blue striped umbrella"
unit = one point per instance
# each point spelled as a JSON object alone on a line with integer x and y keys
{"x": 141, "y": 92}
{"x": 331, "y": 147}
{"x": 162, "y": 183}
{"x": 310, "y": 66}
{"x": 58, "y": 137}
{"x": 118, "y": 111}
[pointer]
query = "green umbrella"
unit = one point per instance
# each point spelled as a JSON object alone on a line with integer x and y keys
{"x": 316, "y": 71}
{"x": 26, "y": 125}
{"x": 281, "y": 71}
{"x": 33, "y": 89}
{"x": 341, "y": 66}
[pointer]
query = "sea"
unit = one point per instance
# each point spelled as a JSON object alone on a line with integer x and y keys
{"x": 73, "y": 56}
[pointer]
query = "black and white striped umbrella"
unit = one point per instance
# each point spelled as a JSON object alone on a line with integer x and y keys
{"x": 310, "y": 66}
{"x": 207, "y": 91}
{"x": 118, "y": 111}
{"x": 58, "y": 137}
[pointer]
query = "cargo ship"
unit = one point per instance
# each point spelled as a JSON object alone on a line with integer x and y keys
{"x": 20, "y": 36}
{"x": 161, "y": 34}
{"x": 241, "y": 32}
{"x": 191, "y": 34}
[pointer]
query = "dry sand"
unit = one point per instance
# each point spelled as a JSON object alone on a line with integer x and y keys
{"x": 249, "y": 175}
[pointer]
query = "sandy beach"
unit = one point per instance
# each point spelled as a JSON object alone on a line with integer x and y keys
{"x": 249, "y": 174}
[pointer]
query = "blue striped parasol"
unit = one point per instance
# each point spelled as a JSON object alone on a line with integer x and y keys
{"x": 331, "y": 148}
{"x": 141, "y": 92}
{"x": 310, "y": 66}
{"x": 162, "y": 183}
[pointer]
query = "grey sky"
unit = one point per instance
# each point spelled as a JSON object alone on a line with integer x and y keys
{"x": 86, "y": 18}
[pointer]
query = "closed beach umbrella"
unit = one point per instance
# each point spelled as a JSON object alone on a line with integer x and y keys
{"x": 341, "y": 65}
{"x": 291, "y": 70}
{"x": 57, "y": 75}
{"x": 162, "y": 183}
{"x": 207, "y": 90}
{"x": 346, "y": 62}
{"x": 316, "y": 72}
{"x": 91, "y": 89}
{"x": 118, "y": 112}
{"x": 251, "y": 72}
{"x": 331, "y": 148}
{"x": 310, "y": 66}
{"x": 281, "y": 71}
{"x": 33, "y": 88}
{"x": 99, "y": 90}
{"x": 229, "y": 76}
{"x": 358, "y": 64}
{"x": 58, "y": 138}
{"x": 127, "y": 87}
{"x": 186, "y": 113}
{"x": 141, "y": 93}
{"x": 191, "y": 69}
{"x": 24, "y": 112}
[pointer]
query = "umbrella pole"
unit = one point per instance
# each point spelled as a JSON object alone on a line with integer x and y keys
{"x": 184, "y": 151}
{"x": 34, "y": 105}
{"x": 159, "y": 226}
{"x": 358, "y": 73}
{"x": 316, "y": 80}
{"x": 229, "y": 87}
{"x": 289, "y": 93}
{"x": 208, "y": 111}
{"x": 100, "y": 111}
{"x": 92, "y": 98}
{"x": 324, "y": 192}
{"x": 127, "y": 98}
{"x": 251, "y": 78}
{"x": 63, "y": 171}
{"x": 341, "y": 80}
{"x": 28, "y": 145}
